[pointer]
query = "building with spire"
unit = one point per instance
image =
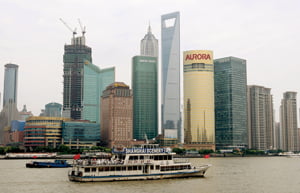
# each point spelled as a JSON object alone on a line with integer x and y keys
{"x": 170, "y": 76}
{"x": 144, "y": 86}
{"x": 149, "y": 44}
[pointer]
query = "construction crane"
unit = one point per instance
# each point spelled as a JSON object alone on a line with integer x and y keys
{"x": 73, "y": 31}
{"x": 82, "y": 27}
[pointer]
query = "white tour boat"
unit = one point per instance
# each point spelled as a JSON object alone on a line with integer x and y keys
{"x": 143, "y": 163}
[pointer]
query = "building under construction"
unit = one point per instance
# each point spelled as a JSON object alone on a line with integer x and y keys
{"x": 74, "y": 57}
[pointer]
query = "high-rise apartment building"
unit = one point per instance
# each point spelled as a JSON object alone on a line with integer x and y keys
{"x": 199, "y": 105}
{"x": 260, "y": 118}
{"x": 288, "y": 122}
{"x": 149, "y": 44}
{"x": 231, "y": 102}
{"x": 145, "y": 97}
{"x": 116, "y": 115}
{"x": 170, "y": 76}
{"x": 95, "y": 81}
{"x": 74, "y": 57}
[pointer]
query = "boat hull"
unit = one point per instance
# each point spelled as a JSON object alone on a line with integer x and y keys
{"x": 156, "y": 176}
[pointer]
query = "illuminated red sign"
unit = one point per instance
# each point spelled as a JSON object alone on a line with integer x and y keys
{"x": 198, "y": 57}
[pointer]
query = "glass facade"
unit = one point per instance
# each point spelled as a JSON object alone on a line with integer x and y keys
{"x": 170, "y": 88}
{"x": 10, "y": 84}
{"x": 95, "y": 81}
{"x": 81, "y": 132}
{"x": 230, "y": 102}
{"x": 145, "y": 107}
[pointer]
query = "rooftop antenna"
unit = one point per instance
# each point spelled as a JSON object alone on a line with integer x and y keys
{"x": 82, "y": 27}
{"x": 73, "y": 31}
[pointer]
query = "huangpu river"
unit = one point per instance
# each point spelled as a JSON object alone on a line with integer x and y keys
{"x": 227, "y": 175}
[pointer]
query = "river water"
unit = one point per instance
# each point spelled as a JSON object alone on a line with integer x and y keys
{"x": 227, "y": 175}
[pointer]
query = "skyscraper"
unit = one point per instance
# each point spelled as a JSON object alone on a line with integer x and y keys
{"x": 231, "y": 102}
{"x": 260, "y": 118}
{"x": 145, "y": 107}
{"x": 288, "y": 122}
{"x": 74, "y": 57}
{"x": 170, "y": 88}
{"x": 199, "y": 107}
{"x": 9, "y": 111}
{"x": 10, "y": 84}
{"x": 116, "y": 115}
{"x": 149, "y": 44}
{"x": 95, "y": 81}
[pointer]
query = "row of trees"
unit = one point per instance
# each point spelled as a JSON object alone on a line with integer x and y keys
{"x": 62, "y": 149}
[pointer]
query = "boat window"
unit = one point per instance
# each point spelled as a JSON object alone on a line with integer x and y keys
{"x": 118, "y": 168}
{"x": 157, "y": 167}
{"x": 134, "y": 167}
{"x": 152, "y": 167}
{"x": 133, "y": 158}
{"x": 141, "y": 157}
{"x": 140, "y": 167}
{"x": 130, "y": 168}
{"x": 94, "y": 169}
{"x": 87, "y": 169}
{"x": 106, "y": 169}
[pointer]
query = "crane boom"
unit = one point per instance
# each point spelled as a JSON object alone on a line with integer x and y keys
{"x": 73, "y": 31}
{"x": 82, "y": 28}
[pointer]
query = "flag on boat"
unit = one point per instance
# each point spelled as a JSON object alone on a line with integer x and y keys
{"x": 77, "y": 156}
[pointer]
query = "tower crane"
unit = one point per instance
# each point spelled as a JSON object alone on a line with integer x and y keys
{"x": 73, "y": 31}
{"x": 82, "y": 27}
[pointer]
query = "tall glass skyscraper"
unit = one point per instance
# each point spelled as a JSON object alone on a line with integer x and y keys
{"x": 95, "y": 81}
{"x": 10, "y": 84}
{"x": 74, "y": 57}
{"x": 145, "y": 107}
{"x": 149, "y": 44}
{"x": 230, "y": 102}
{"x": 170, "y": 88}
{"x": 9, "y": 111}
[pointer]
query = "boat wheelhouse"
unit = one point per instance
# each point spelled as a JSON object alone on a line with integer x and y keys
{"x": 143, "y": 163}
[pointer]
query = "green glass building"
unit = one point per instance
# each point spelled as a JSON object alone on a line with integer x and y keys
{"x": 95, "y": 81}
{"x": 79, "y": 135}
{"x": 230, "y": 103}
{"x": 145, "y": 101}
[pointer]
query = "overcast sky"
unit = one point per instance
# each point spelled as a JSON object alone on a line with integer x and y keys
{"x": 264, "y": 32}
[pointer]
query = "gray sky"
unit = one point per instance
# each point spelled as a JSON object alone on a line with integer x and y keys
{"x": 264, "y": 32}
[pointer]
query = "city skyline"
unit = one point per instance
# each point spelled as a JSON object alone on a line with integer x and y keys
{"x": 263, "y": 33}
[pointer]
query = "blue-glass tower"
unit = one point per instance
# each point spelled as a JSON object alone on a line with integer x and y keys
{"x": 170, "y": 88}
{"x": 230, "y": 102}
